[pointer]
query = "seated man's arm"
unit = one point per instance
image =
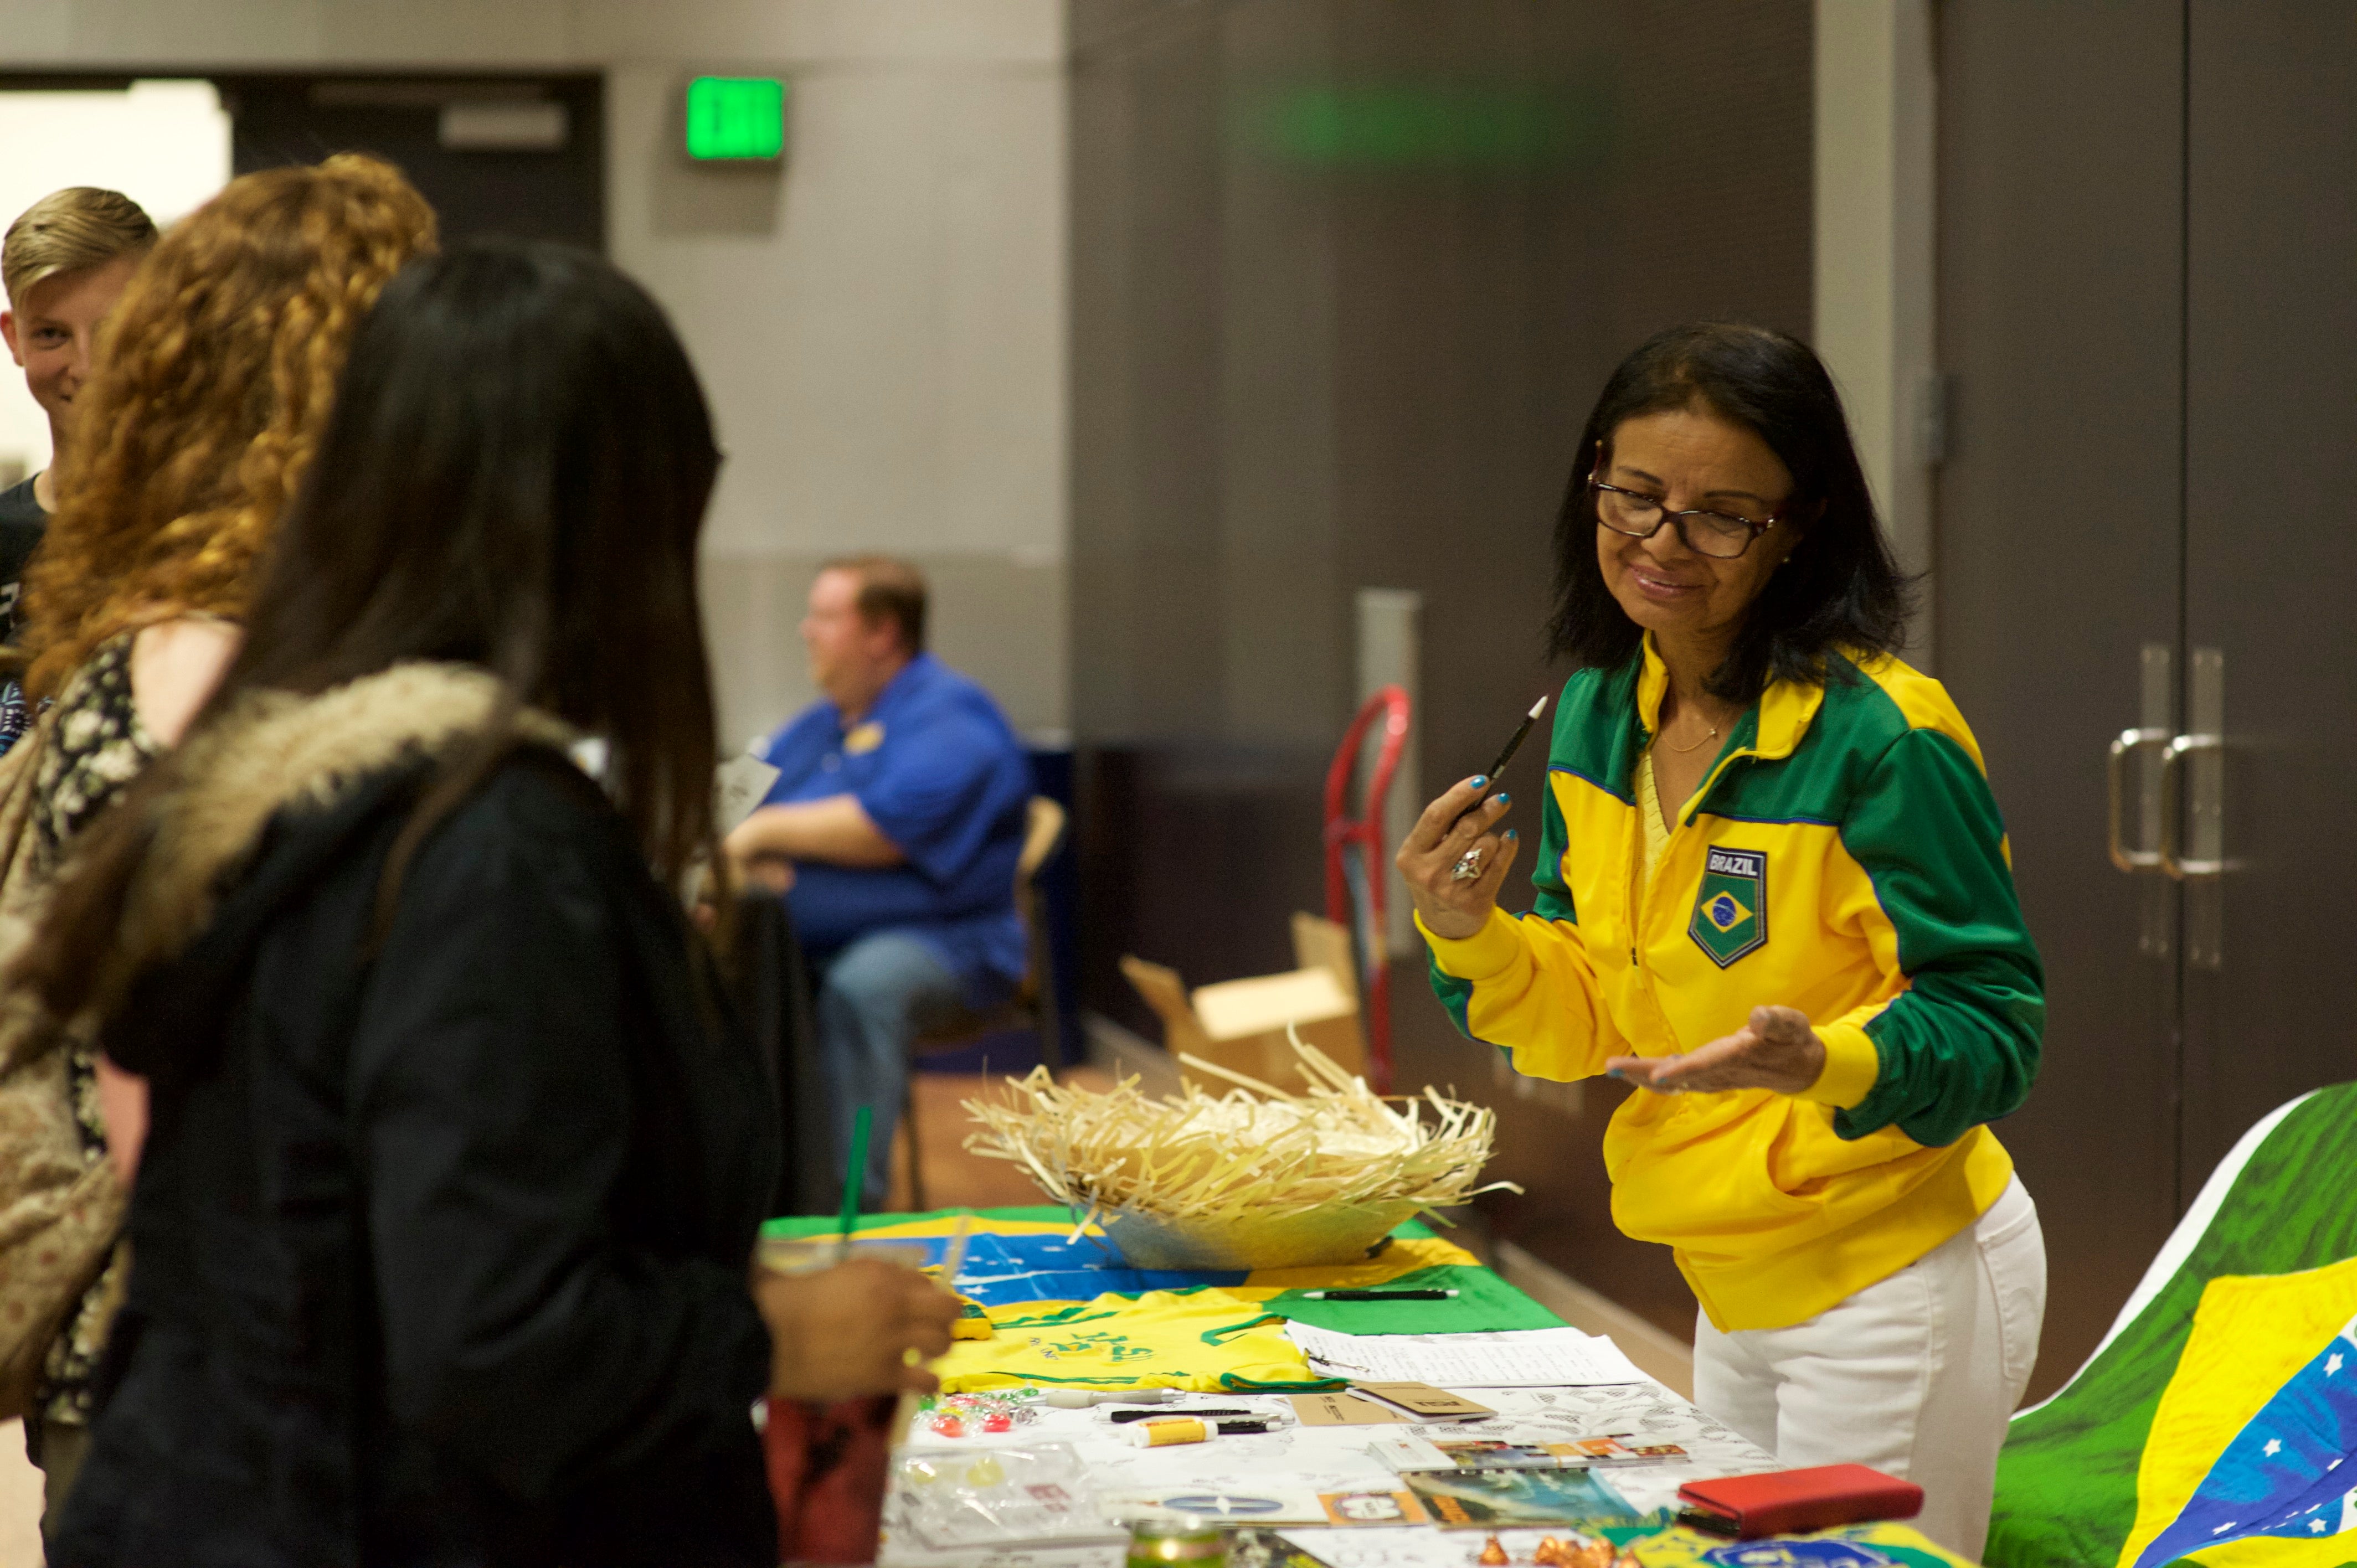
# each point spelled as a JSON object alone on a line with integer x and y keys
{"x": 837, "y": 829}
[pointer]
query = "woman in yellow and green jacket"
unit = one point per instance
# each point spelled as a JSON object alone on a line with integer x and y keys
{"x": 1773, "y": 894}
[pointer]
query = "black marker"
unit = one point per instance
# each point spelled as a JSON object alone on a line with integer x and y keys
{"x": 1505, "y": 757}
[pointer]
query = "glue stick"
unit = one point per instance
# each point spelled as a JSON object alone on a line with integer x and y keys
{"x": 1160, "y": 1434}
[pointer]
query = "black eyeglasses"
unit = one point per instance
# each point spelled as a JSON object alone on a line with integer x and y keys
{"x": 1720, "y": 534}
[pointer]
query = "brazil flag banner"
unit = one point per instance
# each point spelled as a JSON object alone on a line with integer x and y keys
{"x": 2217, "y": 1425}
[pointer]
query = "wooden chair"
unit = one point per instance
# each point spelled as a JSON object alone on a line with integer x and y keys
{"x": 1033, "y": 1005}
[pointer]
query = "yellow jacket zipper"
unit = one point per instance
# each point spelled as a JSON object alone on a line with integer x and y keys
{"x": 1640, "y": 893}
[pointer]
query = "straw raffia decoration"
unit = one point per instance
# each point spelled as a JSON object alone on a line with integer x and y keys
{"x": 1252, "y": 1153}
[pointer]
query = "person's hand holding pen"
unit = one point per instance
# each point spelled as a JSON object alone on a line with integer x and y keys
{"x": 1776, "y": 1049}
{"x": 1454, "y": 865}
{"x": 1437, "y": 850}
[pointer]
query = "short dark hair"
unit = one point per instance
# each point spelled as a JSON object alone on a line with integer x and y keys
{"x": 1840, "y": 590}
{"x": 889, "y": 589}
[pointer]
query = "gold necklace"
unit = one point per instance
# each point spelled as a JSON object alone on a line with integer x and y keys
{"x": 1698, "y": 746}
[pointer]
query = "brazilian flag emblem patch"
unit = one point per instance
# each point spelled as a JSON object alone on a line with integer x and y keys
{"x": 1730, "y": 913}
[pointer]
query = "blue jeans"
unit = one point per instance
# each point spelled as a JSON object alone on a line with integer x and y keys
{"x": 873, "y": 998}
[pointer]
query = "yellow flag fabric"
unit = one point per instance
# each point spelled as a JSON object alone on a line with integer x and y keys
{"x": 1209, "y": 1341}
{"x": 2252, "y": 1336}
{"x": 1850, "y": 1546}
{"x": 2274, "y": 1551}
{"x": 1406, "y": 1255}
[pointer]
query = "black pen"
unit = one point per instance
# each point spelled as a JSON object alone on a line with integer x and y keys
{"x": 1499, "y": 766}
{"x": 1377, "y": 1294}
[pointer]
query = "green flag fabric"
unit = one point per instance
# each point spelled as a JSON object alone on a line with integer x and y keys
{"x": 2281, "y": 1204}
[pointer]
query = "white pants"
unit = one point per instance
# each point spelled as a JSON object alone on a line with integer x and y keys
{"x": 1915, "y": 1375}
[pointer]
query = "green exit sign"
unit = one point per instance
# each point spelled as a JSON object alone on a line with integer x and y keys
{"x": 735, "y": 117}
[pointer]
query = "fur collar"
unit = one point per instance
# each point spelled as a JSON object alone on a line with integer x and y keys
{"x": 274, "y": 751}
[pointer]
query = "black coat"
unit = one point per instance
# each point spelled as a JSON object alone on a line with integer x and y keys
{"x": 439, "y": 1252}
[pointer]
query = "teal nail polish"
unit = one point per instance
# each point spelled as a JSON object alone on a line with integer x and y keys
{"x": 1513, "y": 834}
{"x": 1504, "y": 798}
{"x": 1479, "y": 779}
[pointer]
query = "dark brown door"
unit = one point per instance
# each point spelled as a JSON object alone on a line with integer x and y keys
{"x": 2061, "y": 509}
{"x": 2271, "y": 553}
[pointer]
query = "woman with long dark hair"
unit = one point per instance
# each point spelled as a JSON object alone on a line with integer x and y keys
{"x": 444, "y": 1225}
{"x": 1773, "y": 895}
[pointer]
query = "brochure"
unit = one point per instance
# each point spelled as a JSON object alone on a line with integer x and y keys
{"x": 1496, "y": 1500}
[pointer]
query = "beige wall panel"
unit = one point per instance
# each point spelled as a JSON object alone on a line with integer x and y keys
{"x": 34, "y": 31}
{"x": 448, "y": 32}
{"x": 961, "y": 33}
{"x": 1875, "y": 104}
{"x": 137, "y": 31}
{"x": 998, "y": 620}
{"x": 880, "y": 326}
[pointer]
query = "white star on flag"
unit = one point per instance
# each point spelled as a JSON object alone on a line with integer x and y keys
{"x": 2274, "y": 1448}
{"x": 2332, "y": 1363}
{"x": 2316, "y": 1526}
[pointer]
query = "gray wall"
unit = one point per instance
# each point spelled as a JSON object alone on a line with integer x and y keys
{"x": 1345, "y": 277}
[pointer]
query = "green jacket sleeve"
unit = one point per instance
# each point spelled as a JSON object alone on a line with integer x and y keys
{"x": 1959, "y": 1046}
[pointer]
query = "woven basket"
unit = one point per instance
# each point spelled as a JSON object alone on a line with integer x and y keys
{"x": 1257, "y": 1178}
{"x": 1336, "y": 1233}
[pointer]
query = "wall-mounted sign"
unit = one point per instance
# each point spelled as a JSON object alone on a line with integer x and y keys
{"x": 735, "y": 117}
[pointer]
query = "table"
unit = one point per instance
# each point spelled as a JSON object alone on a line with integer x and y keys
{"x": 1242, "y": 1476}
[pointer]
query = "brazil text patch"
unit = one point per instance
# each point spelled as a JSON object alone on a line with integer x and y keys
{"x": 1730, "y": 916}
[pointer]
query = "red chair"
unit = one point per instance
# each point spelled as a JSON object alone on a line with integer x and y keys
{"x": 1357, "y": 901}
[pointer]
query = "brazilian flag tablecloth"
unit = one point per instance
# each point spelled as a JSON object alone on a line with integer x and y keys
{"x": 2217, "y": 1425}
{"x": 1066, "y": 1308}
{"x": 1022, "y": 1257}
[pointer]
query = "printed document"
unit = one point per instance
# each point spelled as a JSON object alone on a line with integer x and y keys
{"x": 1528, "y": 1358}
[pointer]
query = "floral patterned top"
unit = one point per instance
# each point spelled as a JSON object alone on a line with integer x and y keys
{"x": 16, "y": 718}
{"x": 96, "y": 746}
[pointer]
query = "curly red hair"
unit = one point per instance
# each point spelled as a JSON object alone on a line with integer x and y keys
{"x": 216, "y": 374}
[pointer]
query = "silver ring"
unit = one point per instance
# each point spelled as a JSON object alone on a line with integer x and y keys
{"x": 1468, "y": 864}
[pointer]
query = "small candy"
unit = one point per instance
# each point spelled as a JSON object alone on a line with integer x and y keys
{"x": 987, "y": 1472}
{"x": 1492, "y": 1555}
{"x": 998, "y": 1420}
{"x": 947, "y": 1424}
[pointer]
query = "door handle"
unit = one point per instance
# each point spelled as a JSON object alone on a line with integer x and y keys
{"x": 2172, "y": 860}
{"x": 2116, "y": 770}
{"x": 2118, "y": 791}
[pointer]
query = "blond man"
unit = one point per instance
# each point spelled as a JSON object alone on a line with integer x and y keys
{"x": 64, "y": 262}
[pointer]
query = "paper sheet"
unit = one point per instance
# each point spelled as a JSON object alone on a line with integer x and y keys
{"x": 1528, "y": 1358}
{"x": 738, "y": 786}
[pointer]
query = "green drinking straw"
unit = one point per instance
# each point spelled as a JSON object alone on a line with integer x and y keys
{"x": 860, "y": 1123}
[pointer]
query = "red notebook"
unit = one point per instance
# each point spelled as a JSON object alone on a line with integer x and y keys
{"x": 1786, "y": 1500}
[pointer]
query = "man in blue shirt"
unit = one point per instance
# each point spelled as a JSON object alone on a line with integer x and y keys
{"x": 893, "y": 830}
